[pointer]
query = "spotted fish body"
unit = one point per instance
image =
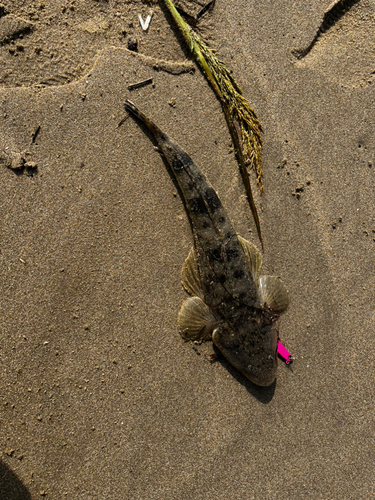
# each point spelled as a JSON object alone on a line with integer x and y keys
{"x": 231, "y": 303}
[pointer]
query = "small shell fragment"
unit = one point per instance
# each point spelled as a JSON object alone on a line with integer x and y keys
{"x": 145, "y": 24}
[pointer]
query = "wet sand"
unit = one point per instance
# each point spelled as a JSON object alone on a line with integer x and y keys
{"x": 100, "y": 397}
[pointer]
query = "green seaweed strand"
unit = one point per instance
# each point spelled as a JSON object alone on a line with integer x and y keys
{"x": 248, "y": 140}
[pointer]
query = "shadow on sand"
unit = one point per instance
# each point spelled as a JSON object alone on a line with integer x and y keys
{"x": 11, "y": 488}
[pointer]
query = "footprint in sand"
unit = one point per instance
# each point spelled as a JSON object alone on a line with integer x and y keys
{"x": 54, "y": 43}
{"x": 344, "y": 45}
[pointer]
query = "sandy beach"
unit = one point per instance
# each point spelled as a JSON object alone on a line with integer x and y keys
{"x": 100, "y": 397}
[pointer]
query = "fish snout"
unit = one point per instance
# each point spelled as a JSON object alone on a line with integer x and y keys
{"x": 252, "y": 359}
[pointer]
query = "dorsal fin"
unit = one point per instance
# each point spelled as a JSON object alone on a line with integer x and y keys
{"x": 273, "y": 293}
{"x": 190, "y": 276}
{"x": 252, "y": 256}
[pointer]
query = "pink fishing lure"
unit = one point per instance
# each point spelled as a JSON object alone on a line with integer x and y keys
{"x": 282, "y": 351}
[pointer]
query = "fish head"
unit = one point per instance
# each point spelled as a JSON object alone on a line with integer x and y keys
{"x": 252, "y": 349}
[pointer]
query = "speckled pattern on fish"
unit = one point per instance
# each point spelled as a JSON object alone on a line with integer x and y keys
{"x": 231, "y": 302}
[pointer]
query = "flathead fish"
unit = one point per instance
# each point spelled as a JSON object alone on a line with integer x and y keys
{"x": 231, "y": 302}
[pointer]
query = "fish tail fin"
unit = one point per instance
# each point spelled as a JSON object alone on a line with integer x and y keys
{"x": 132, "y": 108}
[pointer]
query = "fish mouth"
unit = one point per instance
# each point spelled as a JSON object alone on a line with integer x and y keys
{"x": 264, "y": 380}
{"x": 263, "y": 374}
{"x": 257, "y": 363}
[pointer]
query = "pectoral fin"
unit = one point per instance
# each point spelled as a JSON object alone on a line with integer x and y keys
{"x": 273, "y": 293}
{"x": 252, "y": 256}
{"x": 190, "y": 276}
{"x": 195, "y": 320}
